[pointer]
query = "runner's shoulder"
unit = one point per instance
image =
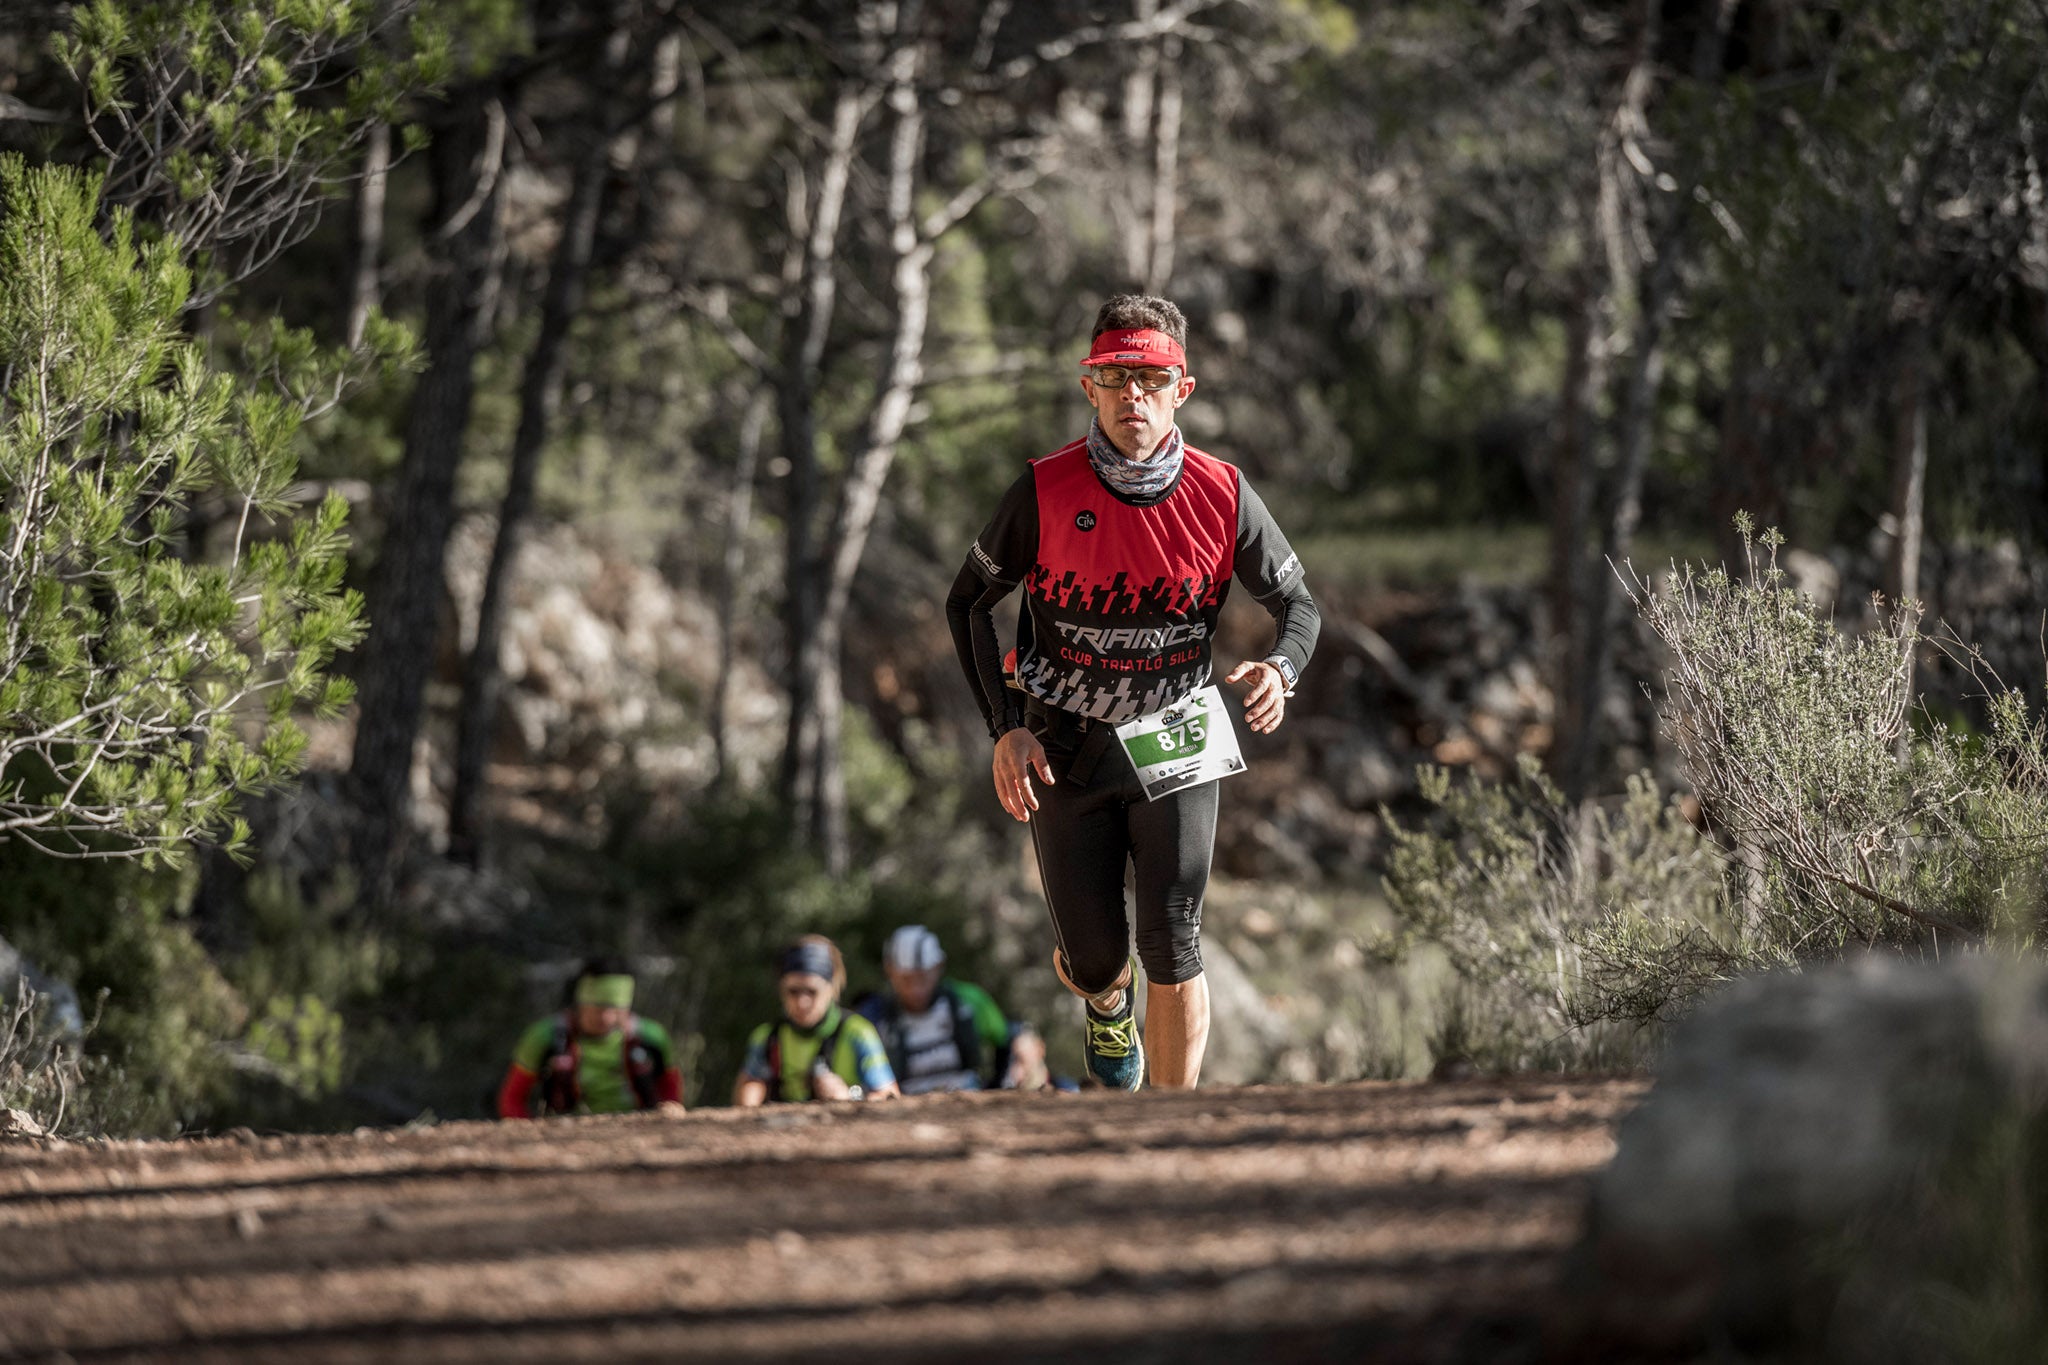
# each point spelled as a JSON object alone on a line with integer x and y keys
{"x": 536, "y": 1040}
{"x": 973, "y": 996}
{"x": 1214, "y": 463}
{"x": 861, "y": 1030}
{"x": 1074, "y": 449}
{"x": 651, "y": 1033}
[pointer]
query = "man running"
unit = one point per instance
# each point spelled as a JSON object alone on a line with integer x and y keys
{"x": 1125, "y": 542}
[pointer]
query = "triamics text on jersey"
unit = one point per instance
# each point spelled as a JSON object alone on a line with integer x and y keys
{"x": 1133, "y": 638}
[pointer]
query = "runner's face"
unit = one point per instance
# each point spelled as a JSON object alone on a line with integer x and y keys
{"x": 805, "y": 998}
{"x": 915, "y": 988}
{"x": 1136, "y": 421}
{"x": 596, "y": 1021}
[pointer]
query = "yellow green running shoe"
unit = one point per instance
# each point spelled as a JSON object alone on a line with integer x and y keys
{"x": 1116, "y": 1057}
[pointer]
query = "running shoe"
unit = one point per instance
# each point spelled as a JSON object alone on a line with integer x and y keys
{"x": 1116, "y": 1058}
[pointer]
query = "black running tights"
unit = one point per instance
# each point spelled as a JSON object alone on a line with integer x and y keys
{"x": 1087, "y": 833}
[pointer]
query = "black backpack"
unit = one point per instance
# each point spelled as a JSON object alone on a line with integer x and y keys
{"x": 888, "y": 1020}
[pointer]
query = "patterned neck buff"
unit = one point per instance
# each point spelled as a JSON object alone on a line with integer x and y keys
{"x": 1137, "y": 480}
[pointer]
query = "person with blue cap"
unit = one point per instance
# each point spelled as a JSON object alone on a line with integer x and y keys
{"x": 818, "y": 1050}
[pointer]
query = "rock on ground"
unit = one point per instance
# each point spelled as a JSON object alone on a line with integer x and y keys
{"x": 1839, "y": 1165}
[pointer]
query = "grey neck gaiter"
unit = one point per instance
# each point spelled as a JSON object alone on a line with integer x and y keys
{"x": 1137, "y": 480}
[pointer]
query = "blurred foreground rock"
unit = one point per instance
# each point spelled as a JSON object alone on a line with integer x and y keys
{"x": 1845, "y": 1165}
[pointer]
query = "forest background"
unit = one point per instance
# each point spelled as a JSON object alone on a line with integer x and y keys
{"x": 581, "y": 409}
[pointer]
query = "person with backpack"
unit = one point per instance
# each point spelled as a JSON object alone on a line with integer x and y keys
{"x": 595, "y": 1056}
{"x": 944, "y": 1034}
{"x": 1111, "y": 738}
{"x": 818, "y": 1050}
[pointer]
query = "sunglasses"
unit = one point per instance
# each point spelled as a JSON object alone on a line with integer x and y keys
{"x": 801, "y": 992}
{"x": 1151, "y": 378}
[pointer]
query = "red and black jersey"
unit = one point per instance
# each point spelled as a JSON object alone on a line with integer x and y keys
{"x": 1121, "y": 596}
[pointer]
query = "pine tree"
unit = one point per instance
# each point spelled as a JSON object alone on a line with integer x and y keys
{"x": 147, "y": 681}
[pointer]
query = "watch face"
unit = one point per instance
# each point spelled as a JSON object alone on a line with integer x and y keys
{"x": 1086, "y": 521}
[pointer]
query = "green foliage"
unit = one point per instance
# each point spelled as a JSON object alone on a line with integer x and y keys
{"x": 143, "y": 688}
{"x": 1838, "y": 831}
{"x": 226, "y": 122}
{"x": 1794, "y": 737}
{"x": 120, "y": 932}
{"x": 1565, "y": 929}
{"x": 301, "y": 1040}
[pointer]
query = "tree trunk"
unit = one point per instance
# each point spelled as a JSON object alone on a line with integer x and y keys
{"x": 731, "y": 571}
{"x": 409, "y": 585}
{"x": 1165, "y": 167}
{"x": 1909, "y": 473}
{"x": 1571, "y": 498}
{"x": 368, "y": 244}
{"x": 540, "y": 400}
{"x": 1141, "y": 91}
{"x": 860, "y": 497}
{"x": 822, "y": 793}
{"x": 804, "y": 335}
{"x": 1909, "y": 488}
{"x": 1599, "y": 614}
{"x": 1638, "y": 432}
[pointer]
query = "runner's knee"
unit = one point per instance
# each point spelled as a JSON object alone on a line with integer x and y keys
{"x": 1171, "y": 948}
{"x": 1097, "y": 971}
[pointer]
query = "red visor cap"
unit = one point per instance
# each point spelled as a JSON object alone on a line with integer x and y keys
{"x": 1138, "y": 346}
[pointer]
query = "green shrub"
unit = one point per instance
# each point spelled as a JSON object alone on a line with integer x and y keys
{"x": 1830, "y": 826}
{"x": 1566, "y": 930}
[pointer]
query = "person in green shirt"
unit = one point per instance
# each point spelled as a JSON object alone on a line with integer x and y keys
{"x": 946, "y": 1034}
{"x": 595, "y": 1057}
{"x": 818, "y": 1050}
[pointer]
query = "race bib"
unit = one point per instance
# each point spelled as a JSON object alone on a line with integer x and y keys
{"x": 1187, "y": 743}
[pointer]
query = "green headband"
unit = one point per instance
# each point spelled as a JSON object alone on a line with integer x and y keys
{"x": 616, "y": 991}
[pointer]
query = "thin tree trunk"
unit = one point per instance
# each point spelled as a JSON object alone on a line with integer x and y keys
{"x": 1571, "y": 498}
{"x": 540, "y": 400}
{"x": 1909, "y": 473}
{"x": 1165, "y": 167}
{"x": 409, "y": 586}
{"x": 1639, "y": 425}
{"x": 1657, "y": 287}
{"x": 368, "y": 245}
{"x": 1909, "y": 488}
{"x": 804, "y": 337}
{"x": 860, "y": 497}
{"x": 1141, "y": 91}
{"x": 731, "y": 571}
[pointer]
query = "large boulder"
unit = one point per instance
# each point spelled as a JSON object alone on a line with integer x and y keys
{"x": 1848, "y": 1164}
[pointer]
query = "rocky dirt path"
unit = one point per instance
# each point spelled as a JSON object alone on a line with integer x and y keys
{"x": 1396, "y": 1222}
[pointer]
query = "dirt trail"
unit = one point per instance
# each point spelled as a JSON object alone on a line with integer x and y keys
{"x": 1404, "y": 1222}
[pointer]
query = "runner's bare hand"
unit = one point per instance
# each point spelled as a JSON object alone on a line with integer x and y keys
{"x": 1018, "y": 755}
{"x": 1266, "y": 703}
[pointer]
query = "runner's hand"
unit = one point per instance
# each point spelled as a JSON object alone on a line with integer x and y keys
{"x": 830, "y": 1085}
{"x": 1267, "y": 701}
{"x": 1018, "y": 754}
{"x": 1027, "y": 1062}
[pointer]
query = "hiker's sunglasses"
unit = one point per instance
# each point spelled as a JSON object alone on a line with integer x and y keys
{"x": 1151, "y": 378}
